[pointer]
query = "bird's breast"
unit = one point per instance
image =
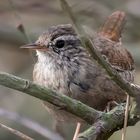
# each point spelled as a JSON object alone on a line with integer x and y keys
{"x": 51, "y": 77}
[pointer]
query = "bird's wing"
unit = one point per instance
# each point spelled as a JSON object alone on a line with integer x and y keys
{"x": 108, "y": 42}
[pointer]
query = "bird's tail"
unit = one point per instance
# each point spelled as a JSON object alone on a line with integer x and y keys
{"x": 113, "y": 26}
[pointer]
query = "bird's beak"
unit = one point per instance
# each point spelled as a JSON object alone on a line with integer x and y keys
{"x": 32, "y": 46}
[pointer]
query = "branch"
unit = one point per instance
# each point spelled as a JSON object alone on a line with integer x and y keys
{"x": 105, "y": 122}
{"x": 20, "y": 25}
{"x": 64, "y": 102}
{"x": 104, "y": 127}
{"x": 30, "y": 124}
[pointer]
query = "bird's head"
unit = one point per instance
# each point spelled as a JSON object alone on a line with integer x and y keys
{"x": 60, "y": 41}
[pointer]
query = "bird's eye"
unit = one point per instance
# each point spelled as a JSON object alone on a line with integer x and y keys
{"x": 60, "y": 43}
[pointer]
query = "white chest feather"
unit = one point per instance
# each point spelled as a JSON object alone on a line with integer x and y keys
{"x": 48, "y": 74}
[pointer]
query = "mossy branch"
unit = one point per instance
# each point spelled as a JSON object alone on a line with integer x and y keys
{"x": 104, "y": 124}
{"x": 109, "y": 122}
{"x": 64, "y": 102}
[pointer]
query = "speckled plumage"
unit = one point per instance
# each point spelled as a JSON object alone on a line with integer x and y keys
{"x": 69, "y": 70}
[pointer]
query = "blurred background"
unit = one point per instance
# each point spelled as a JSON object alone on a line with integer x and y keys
{"x": 26, "y": 113}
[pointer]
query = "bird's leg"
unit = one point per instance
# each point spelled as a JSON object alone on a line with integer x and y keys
{"x": 126, "y": 117}
{"x": 77, "y": 131}
{"x": 110, "y": 105}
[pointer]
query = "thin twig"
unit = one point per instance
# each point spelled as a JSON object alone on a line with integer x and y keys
{"x": 16, "y": 132}
{"x": 126, "y": 118}
{"x": 20, "y": 25}
{"x": 30, "y": 124}
{"x": 78, "y": 125}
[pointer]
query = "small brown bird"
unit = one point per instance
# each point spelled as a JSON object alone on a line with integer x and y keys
{"x": 66, "y": 67}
